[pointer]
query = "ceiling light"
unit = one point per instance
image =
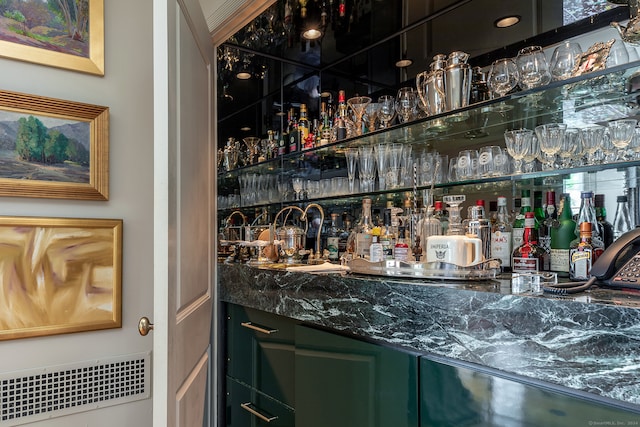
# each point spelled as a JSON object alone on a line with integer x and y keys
{"x": 245, "y": 129}
{"x": 507, "y": 21}
{"x": 243, "y": 75}
{"x": 312, "y": 34}
{"x": 404, "y": 62}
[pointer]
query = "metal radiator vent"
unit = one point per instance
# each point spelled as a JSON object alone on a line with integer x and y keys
{"x": 27, "y": 396}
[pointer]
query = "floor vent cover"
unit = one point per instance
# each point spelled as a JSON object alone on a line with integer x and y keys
{"x": 42, "y": 393}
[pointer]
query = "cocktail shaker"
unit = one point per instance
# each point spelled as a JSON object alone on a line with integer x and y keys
{"x": 457, "y": 82}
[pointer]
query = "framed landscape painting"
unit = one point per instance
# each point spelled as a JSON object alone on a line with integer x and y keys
{"x": 59, "y": 275}
{"x": 60, "y": 33}
{"x": 53, "y": 148}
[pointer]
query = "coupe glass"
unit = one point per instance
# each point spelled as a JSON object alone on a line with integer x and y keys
{"x": 533, "y": 68}
{"x": 503, "y": 78}
{"x": 563, "y": 60}
{"x": 358, "y": 105}
{"x": 387, "y": 110}
{"x": 621, "y": 132}
{"x": 550, "y": 138}
{"x": 518, "y": 143}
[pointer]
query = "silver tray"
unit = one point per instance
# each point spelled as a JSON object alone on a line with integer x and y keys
{"x": 485, "y": 270}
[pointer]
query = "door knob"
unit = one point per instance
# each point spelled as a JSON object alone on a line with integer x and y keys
{"x": 144, "y": 326}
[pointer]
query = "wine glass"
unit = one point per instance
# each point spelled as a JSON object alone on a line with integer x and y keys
{"x": 358, "y": 105}
{"x": 621, "y": 133}
{"x": 563, "y": 60}
{"x": 372, "y": 115}
{"x": 532, "y": 67}
{"x": 591, "y": 138}
{"x": 503, "y": 78}
{"x": 297, "y": 183}
{"x": 518, "y": 143}
{"x": 387, "y": 110}
{"x": 406, "y": 103}
{"x": 550, "y": 137}
{"x": 569, "y": 147}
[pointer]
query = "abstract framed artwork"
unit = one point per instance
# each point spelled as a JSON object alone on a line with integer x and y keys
{"x": 53, "y": 148}
{"x": 59, "y": 275}
{"x": 66, "y": 34}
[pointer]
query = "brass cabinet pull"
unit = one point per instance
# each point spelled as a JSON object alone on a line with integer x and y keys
{"x": 259, "y": 328}
{"x": 251, "y": 408}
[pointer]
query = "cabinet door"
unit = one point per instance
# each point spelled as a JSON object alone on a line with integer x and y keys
{"x": 247, "y": 407}
{"x": 457, "y": 397}
{"x": 344, "y": 382}
{"x": 260, "y": 351}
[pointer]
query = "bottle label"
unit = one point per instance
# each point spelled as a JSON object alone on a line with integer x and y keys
{"x": 401, "y": 253}
{"x": 580, "y": 264}
{"x": 387, "y": 248}
{"x": 523, "y": 265}
{"x": 560, "y": 260}
{"x": 517, "y": 236}
{"x": 333, "y": 244}
{"x": 376, "y": 252}
{"x": 363, "y": 243}
{"x": 501, "y": 247}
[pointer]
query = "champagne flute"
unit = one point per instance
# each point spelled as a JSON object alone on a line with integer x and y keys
{"x": 503, "y": 78}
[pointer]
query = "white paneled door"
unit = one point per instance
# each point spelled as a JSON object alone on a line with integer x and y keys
{"x": 184, "y": 182}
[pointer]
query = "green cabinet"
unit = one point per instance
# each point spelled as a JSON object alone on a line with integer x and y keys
{"x": 344, "y": 382}
{"x": 249, "y": 407}
{"x": 457, "y": 396}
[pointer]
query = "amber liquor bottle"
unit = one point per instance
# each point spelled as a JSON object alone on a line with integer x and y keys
{"x": 582, "y": 254}
{"x": 528, "y": 256}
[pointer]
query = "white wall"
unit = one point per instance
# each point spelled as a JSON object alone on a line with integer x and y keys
{"x": 126, "y": 89}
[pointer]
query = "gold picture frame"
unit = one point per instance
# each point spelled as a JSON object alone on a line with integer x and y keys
{"x": 79, "y": 169}
{"x": 593, "y": 59}
{"x": 81, "y": 48}
{"x": 59, "y": 275}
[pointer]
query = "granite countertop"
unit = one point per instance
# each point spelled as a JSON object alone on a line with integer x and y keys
{"x": 588, "y": 341}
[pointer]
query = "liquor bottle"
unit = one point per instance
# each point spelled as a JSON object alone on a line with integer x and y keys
{"x": 333, "y": 239}
{"x": 429, "y": 226}
{"x": 501, "y": 236}
{"x": 587, "y": 213}
{"x": 518, "y": 224}
{"x": 605, "y": 226}
{"x": 283, "y": 141}
{"x": 401, "y": 249}
{"x": 340, "y": 122}
{"x": 582, "y": 254}
{"x": 376, "y": 253}
{"x": 477, "y": 225}
{"x": 363, "y": 230}
{"x": 549, "y": 221}
{"x": 303, "y": 126}
{"x": 324, "y": 133}
{"x": 528, "y": 256}
{"x": 294, "y": 134}
{"x": 344, "y": 233}
{"x": 387, "y": 238}
{"x": 538, "y": 208}
{"x": 440, "y": 215}
{"x": 561, "y": 237}
{"x": 622, "y": 219}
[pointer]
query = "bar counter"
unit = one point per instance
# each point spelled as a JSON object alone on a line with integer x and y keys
{"x": 588, "y": 341}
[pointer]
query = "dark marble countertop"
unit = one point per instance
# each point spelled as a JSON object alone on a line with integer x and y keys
{"x": 588, "y": 341}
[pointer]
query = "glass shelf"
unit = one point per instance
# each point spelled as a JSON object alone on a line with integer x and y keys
{"x": 597, "y": 97}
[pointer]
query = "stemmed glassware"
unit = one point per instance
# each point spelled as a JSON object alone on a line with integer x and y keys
{"x": 297, "y": 183}
{"x": 592, "y": 138}
{"x": 530, "y": 157}
{"x": 358, "y": 105}
{"x": 563, "y": 60}
{"x": 503, "y": 77}
{"x": 518, "y": 143}
{"x": 550, "y": 137}
{"x": 351, "y": 155}
{"x": 570, "y": 147}
{"x": 621, "y": 133}
{"x": 371, "y": 112}
{"x": 381, "y": 152}
{"x": 366, "y": 168}
{"x": 395, "y": 161}
{"x": 387, "y": 110}
{"x": 406, "y": 103}
{"x": 533, "y": 68}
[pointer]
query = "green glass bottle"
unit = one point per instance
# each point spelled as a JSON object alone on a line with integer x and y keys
{"x": 561, "y": 237}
